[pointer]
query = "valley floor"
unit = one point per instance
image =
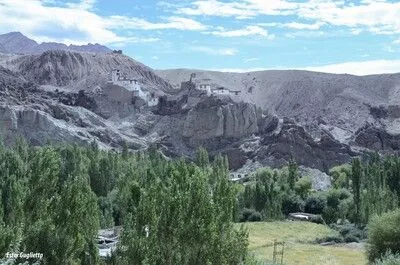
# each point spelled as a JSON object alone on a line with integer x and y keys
{"x": 299, "y": 247}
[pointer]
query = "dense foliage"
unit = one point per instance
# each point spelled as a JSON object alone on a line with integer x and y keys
{"x": 360, "y": 190}
{"x": 53, "y": 200}
{"x": 384, "y": 235}
{"x": 388, "y": 259}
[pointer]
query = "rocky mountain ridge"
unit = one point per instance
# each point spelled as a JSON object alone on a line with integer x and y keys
{"x": 67, "y": 96}
{"x": 320, "y": 102}
{"x": 17, "y": 43}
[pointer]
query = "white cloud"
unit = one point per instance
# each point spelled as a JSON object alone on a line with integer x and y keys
{"x": 247, "y": 31}
{"x": 360, "y": 68}
{"x": 305, "y": 34}
{"x": 238, "y": 70}
{"x": 302, "y": 26}
{"x": 215, "y": 51}
{"x": 142, "y": 24}
{"x": 354, "y": 68}
{"x": 84, "y": 4}
{"x": 249, "y": 60}
{"x": 217, "y": 8}
{"x": 380, "y": 17}
{"x": 243, "y": 9}
{"x": 294, "y": 25}
{"x": 76, "y": 23}
{"x": 376, "y": 16}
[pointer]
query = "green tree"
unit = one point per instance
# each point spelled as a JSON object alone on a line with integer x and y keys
{"x": 356, "y": 177}
{"x": 293, "y": 175}
{"x": 303, "y": 187}
{"x": 202, "y": 159}
{"x": 384, "y": 235}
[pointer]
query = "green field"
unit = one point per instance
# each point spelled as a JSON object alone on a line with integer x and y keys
{"x": 299, "y": 246}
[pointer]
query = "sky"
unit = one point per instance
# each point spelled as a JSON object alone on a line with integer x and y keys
{"x": 338, "y": 36}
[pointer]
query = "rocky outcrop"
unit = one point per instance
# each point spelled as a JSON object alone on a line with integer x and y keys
{"x": 79, "y": 99}
{"x": 377, "y": 139}
{"x": 59, "y": 68}
{"x": 169, "y": 106}
{"x": 292, "y": 141}
{"x": 35, "y": 126}
{"x": 240, "y": 120}
{"x": 215, "y": 119}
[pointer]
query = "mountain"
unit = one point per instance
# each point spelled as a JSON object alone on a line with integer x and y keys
{"x": 3, "y": 49}
{"x": 339, "y": 103}
{"x": 17, "y": 43}
{"x": 321, "y": 120}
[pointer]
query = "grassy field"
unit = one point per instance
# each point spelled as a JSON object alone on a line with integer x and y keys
{"x": 299, "y": 246}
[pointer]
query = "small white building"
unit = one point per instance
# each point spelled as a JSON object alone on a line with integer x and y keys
{"x": 221, "y": 91}
{"x": 204, "y": 85}
{"x": 119, "y": 79}
{"x": 235, "y": 92}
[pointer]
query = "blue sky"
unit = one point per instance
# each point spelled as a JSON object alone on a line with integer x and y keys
{"x": 359, "y": 37}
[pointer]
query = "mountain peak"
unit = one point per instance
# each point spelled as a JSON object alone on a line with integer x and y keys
{"x": 16, "y": 42}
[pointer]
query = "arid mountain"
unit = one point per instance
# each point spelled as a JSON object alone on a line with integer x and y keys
{"x": 17, "y": 43}
{"x": 2, "y": 49}
{"x": 340, "y": 104}
{"x": 320, "y": 120}
{"x": 76, "y": 71}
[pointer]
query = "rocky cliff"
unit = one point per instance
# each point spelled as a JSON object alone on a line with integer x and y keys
{"x": 214, "y": 118}
{"x": 65, "y": 96}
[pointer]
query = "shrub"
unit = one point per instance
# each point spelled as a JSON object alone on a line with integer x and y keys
{"x": 303, "y": 187}
{"x": 384, "y": 235}
{"x": 334, "y": 198}
{"x": 336, "y": 239}
{"x": 350, "y": 230}
{"x": 255, "y": 217}
{"x": 315, "y": 204}
{"x": 250, "y": 215}
{"x": 388, "y": 259}
{"x": 292, "y": 203}
{"x": 351, "y": 238}
{"x": 350, "y": 233}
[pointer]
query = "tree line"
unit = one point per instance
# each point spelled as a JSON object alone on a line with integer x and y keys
{"x": 54, "y": 199}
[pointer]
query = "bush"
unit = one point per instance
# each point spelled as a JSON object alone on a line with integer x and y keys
{"x": 334, "y": 204}
{"x": 350, "y": 230}
{"x": 255, "y": 217}
{"x": 303, "y": 187}
{"x": 389, "y": 259}
{"x": 336, "y": 239}
{"x": 351, "y": 238}
{"x": 315, "y": 204}
{"x": 384, "y": 235}
{"x": 292, "y": 203}
{"x": 335, "y": 196}
{"x": 350, "y": 233}
{"x": 250, "y": 215}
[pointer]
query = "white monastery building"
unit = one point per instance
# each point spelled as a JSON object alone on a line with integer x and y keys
{"x": 117, "y": 78}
